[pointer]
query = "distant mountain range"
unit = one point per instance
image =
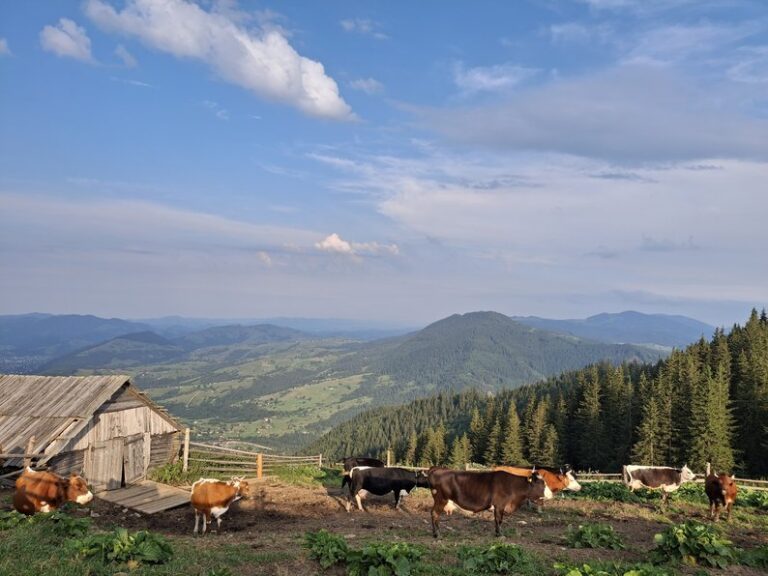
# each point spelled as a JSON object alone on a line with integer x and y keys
{"x": 629, "y": 327}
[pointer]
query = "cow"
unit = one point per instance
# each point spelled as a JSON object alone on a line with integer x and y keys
{"x": 355, "y": 462}
{"x": 721, "y": 490}
{"x": 214, "y": 497}
{"x": 38, "y": 491}
{"x": 656, "y": 477}
{"x": 381, "y": 481}
{"x": 557, "y": 480}
{"x": 476, "y": 491}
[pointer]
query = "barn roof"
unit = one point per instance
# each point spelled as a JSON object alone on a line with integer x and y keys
{"x": 52, "y": 408}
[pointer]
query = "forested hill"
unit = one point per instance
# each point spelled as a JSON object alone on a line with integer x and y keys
{"x": 708, "y": 402}
{"x": 489, "y": 351}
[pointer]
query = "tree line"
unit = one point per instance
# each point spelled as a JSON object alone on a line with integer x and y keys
{"x": 706, "y": 403}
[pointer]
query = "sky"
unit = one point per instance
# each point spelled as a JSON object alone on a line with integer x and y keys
{"x": 396, "y": 162}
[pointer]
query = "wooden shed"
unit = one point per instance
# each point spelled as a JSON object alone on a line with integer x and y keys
{"x": 102, "y": 426}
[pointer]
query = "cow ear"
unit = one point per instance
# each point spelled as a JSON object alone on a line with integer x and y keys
{"x": 530, "y": 479}
{"x": 733, "y": 476}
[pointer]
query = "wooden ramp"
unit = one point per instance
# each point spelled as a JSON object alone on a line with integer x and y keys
{"x": 147, "y": 496}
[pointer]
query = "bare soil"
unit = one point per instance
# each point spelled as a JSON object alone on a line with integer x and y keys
{"x": 276, "y": 517}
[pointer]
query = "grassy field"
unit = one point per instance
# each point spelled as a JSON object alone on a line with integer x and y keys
{"x": 268, "y": 535}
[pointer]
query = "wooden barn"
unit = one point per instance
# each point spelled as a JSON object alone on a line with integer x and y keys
{"x": 102, "y": 426}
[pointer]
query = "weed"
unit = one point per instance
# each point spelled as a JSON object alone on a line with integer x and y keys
{"x": 593, "y": 536}
{"x": 756, "y": 558}
{"x": 326, "y": 548}
{"x": 496, "y": 559}
{"x": 613, "y": 569}
{"x": 399, "y": 559}
{"x": 121, "y": 546}
{"x": 694, "y": 543}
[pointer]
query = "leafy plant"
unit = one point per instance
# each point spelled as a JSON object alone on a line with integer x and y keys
{"x": 326, "y": 548}
{"x": 754, "y": 498}
{"x": 121, "y": 546}
{"x": 694, "y": 543}
{"x": 495, "y": 559}
{"x": 399, "y": 559}
{"x": 174, "y": 473}
{"x": 593, "y": 536}
{"x": 605, "y": 491}
{"x": 11, "y": 519}
{"x": 612, "y": 569}
{"x": 57, "y": 522}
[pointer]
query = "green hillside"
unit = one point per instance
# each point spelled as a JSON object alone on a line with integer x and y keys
{"x": 707, "y": 403}
{"x": 280, "y": 386}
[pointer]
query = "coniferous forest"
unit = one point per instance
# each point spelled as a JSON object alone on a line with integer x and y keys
{"x": 706, "y": 403}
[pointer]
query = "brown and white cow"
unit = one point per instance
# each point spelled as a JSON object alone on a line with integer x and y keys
{"x": 214, "y": 497}
{"x": 657, "y": 477}
{"x": 721, "y": 490}
{"x": 556, "y": 480}
{"x": 46, "y": 491}
{"x": 477, "y": 491}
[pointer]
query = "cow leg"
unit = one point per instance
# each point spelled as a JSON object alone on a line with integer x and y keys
{"x": 728, "y": 511}
{"x": 711, "y": 510}
{"x": 206, "y": 521}
{"x": 498, "y": 517}
{"x": 436, "y": 519}
{"x": 218, "y": 524}
{"x": 197, "y": 518}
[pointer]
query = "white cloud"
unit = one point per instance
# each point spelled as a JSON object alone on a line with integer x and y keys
{"x": 130, "y": 82}
{"x": 218, "y": 111}
{"x": 367, "y": 85}
{"x": 751, "y": 67}
{"x": 67, "y": 39}
{"x": 362, "y": 26}
{"x": 4, "y": 49}
{"x": 126, "y": 57}
{"x": 495, "y": 78}
{"x": 263, "y": 62}
{"x": 333, "y": 243}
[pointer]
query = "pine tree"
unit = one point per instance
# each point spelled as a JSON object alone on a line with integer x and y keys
{"x": 550, "y": 447}
{"x": 460, "y": 452}
{"x": 650, "y": 446}
{"x": 491, "y": 455}
{"x": 511, "y": 443}
{"x": 476, "y": 435}
{"x": 409, "y": 458}
{"x": 590, "y": 426}
{"x": 534, "y": 431}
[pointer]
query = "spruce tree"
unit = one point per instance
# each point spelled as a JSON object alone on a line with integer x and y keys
{"x": 491, "y": 456}
{"x": 511, "y": 443}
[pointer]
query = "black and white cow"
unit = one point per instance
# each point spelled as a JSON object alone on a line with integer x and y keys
{"x": 381, "y": 481}
{"x": 351, "y": 462}
{"x": 657, "y": 477}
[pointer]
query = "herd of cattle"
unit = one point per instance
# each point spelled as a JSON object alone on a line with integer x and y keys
{"x": 501, "y": 490}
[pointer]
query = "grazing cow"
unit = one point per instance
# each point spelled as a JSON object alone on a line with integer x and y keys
{"x": 46, "y": 491}
{"x": 721, "y": 490}
{"x": 657, "y": 477}
{"x": 380, "y": 481}
{"x": 214, "y": 497}
{"x": 476, "y": 491}
{"x": 355, "y": 462}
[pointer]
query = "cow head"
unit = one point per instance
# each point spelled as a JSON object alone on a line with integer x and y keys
{"x": 241, "y": 486}
{"x": 77, "y": 490}
{"x": 686, "y": 474}
{"x": 538, "y": 489}
{"x": 572, "y": 484}
{"x": 422, "y": 480}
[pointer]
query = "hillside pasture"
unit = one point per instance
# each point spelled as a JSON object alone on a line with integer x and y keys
{"x": 265, "y": 534}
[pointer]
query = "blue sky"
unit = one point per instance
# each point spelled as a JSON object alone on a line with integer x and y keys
{"x": 388, "y": 161}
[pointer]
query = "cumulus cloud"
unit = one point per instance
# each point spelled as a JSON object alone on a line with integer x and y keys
{"x": 367, "y": 85}
{"x": 126, "y": 57}
{"x": 261, "y": 61}
{"x": 67, "y": 39}
{"x": 490, "y": 78}
{"x": 333, "y": 243}
{"x": 4, "y": 50}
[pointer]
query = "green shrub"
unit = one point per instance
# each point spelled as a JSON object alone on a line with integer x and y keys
{"x": 694, "y": 543}
{"x": 174, "y": 474}
{"x": 399, "y": 559}
{"x": 593, "y": 536}
{"x": 299, "y": 475}
{"x": 607, "y": 491}
{"x": 58, "y": 522}
{"x": 11, "y": 519}
{"x": 613, "y": 569}
{"x": 326, "y": 548}
{"x": 755, "y": 498}
{"x": 120, "y": 546}
{"x": 496, "y": 559}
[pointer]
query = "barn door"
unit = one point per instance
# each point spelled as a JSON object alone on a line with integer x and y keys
{"x": 133, "y": 458}
{"x": 104, "y": 469}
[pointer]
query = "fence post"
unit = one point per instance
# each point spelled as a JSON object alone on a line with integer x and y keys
{"x": 30, "y": 447}
{"x": 389, "y": 457}
{"x": 259, "y": 465}
{"x": 320, "y": 461}
{"x": 185, "y": 457}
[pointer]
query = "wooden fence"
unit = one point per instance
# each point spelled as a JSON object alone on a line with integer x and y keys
{"x": 231, "y": 462}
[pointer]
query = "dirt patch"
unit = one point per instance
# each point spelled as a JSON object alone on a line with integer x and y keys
{"x": 277, "y": 516}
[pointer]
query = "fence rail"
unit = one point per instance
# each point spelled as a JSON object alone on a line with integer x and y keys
{"x": 220, "y": 459}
